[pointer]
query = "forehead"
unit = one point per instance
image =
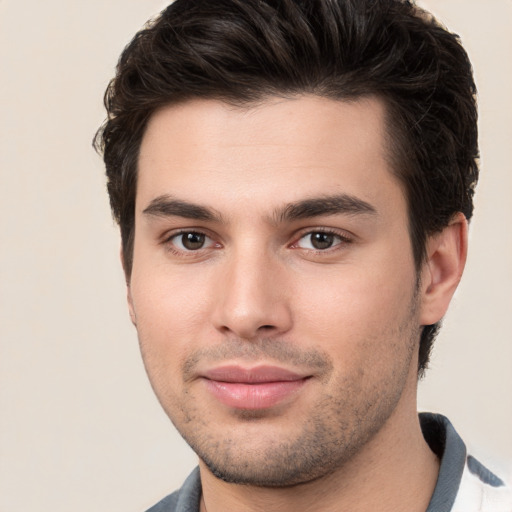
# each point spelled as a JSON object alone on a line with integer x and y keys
{"x": 281, "y": 149}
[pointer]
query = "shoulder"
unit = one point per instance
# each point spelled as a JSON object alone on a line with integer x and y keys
{"x": 466, "y": 483}
{"x": 185, "y": 499}
{"x": 486, "y": 486}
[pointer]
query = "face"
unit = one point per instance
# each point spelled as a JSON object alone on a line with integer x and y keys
{"x": 273, "y": 284}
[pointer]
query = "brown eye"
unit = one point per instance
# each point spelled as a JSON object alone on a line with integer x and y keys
{"x": 190, "y": 241}
{"x": 320, "y": 240}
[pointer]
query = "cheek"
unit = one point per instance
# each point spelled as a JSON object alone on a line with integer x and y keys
{"x": 170, "y": 315}
{"x": 171, "y": 301}
{"x": 369, "y": 331}
{"x": 353, "y": 306}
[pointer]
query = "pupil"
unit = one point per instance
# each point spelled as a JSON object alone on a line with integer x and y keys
{"x": 193, "y": 241}
{"x": 322, "y": 240}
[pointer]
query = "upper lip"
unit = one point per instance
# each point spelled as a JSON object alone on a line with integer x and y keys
{"x": 255, "y": 375}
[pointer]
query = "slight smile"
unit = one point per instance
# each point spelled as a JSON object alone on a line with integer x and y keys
{"x": 255, "y": 388}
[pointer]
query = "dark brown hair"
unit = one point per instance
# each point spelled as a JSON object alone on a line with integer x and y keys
{"x": 242, "y": 51}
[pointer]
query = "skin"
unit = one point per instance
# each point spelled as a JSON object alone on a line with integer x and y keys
{"x": 253, "y": 289}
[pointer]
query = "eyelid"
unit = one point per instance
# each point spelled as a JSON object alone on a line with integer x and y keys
{"x": 344, "y": 237}
{"x": 167, "y": 238}
{"x": 167, "y": 241}
{"x": 171, "y": 233}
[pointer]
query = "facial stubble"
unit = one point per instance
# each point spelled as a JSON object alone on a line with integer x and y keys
{"x": 276, "y": 448}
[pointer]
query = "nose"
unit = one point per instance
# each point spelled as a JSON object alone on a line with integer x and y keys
{"x": 252, "y": 299}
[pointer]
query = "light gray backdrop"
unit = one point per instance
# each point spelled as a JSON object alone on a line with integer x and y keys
{"x": 80, "y": 429}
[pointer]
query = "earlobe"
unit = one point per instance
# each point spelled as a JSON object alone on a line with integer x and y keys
{"x": 442, "y": 271}
{"x": 128, "y": 291}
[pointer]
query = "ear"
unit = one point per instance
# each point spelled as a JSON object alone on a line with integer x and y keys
{"x": 128, "y": 290}
{"x": 441, "y": 273}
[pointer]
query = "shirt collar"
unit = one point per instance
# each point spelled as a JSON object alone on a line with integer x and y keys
{"x": 451, "y": 450}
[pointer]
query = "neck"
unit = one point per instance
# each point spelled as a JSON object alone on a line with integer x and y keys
{"x": 394, "y": 472}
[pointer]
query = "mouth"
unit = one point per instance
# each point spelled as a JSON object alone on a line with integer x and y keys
{"x": 261, "y": 387}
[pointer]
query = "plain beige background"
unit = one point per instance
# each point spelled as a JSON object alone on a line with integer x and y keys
{"x": 80, "y": 429}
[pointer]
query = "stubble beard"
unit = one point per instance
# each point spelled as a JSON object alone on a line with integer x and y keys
{"x": 327, "y": 441}
{"x": 338, "y": 426}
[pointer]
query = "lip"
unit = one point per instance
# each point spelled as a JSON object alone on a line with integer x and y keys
{"x": 260, "y": 387}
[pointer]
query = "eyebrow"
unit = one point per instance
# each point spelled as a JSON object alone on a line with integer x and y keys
{"x": 167, "y": 206}
{"x": 325, "y": 205}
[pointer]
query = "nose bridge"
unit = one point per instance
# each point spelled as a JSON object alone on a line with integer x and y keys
{"x": 253, "y": 302}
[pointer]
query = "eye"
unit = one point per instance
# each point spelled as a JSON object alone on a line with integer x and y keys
{"x": 191, "y": 241}
{"x": 320, "y": 240}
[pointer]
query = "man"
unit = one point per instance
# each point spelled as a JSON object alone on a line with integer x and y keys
{"x": 293, "y": 181}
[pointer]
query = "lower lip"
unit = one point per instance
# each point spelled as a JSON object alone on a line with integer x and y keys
{"x": 253, "y": 396}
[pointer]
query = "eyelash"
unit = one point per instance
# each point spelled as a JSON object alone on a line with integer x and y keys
{"x": 343, "y": 239}
{"x": 167, "y": 242}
